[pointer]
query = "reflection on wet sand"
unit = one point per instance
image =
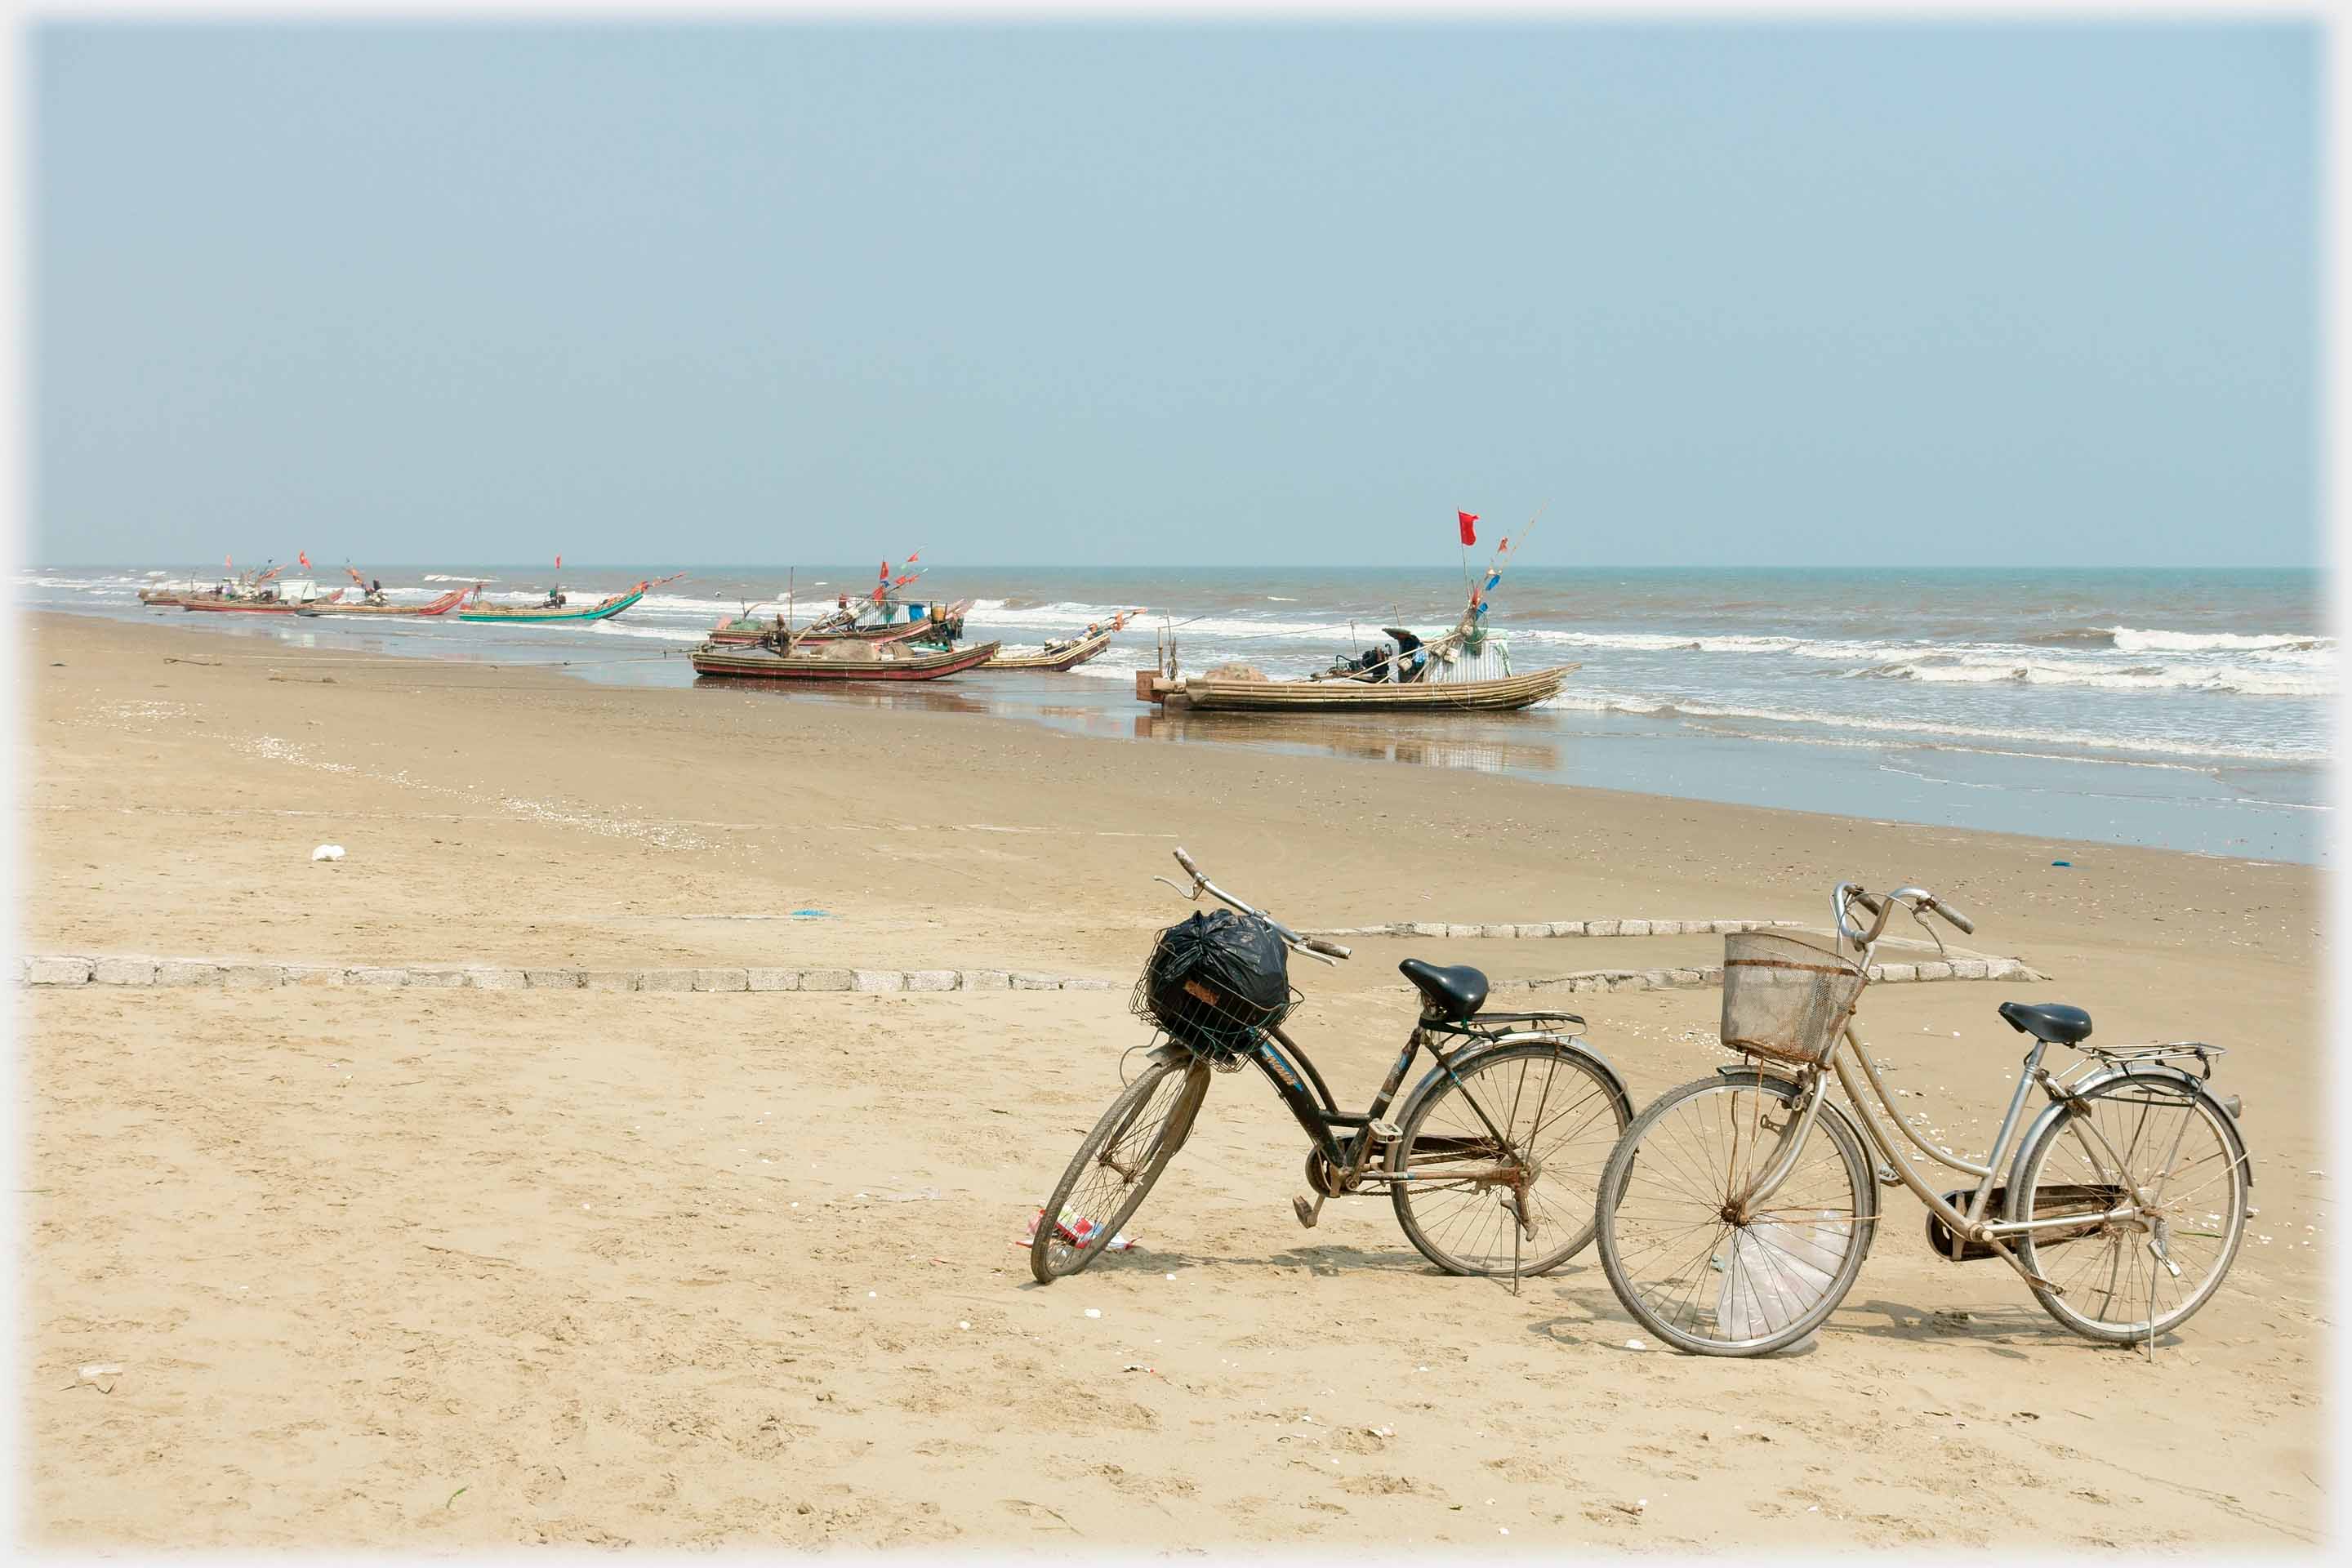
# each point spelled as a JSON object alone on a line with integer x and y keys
{"x": 928, "y": 696}
{"x": 1370, "y": 740}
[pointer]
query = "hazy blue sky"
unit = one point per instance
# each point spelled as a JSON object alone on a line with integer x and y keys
{"x": 1973, "y": 295}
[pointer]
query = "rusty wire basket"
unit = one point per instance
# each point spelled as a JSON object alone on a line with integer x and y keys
{"x": 1784, "y": 999}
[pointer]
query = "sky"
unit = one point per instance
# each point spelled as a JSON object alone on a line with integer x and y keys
{"x": 1709, "y": 294}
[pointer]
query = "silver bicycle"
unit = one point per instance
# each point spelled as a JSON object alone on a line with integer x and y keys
{"x": 1736, "y": 1212}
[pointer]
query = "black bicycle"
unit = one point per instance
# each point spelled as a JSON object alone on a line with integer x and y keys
{"x": 1494, "y": 1164}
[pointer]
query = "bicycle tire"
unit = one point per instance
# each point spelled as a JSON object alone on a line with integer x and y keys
{"x": 1669, "y": 1300}
{"x": 2124, "y": 1126}
{"x": 1470, "y": 1237}
{"x": 1128, "y": 1121}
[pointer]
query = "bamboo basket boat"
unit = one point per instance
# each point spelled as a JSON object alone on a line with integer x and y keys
{"x": 1212, "y": 694}
{"x": 1069, "y": 658}
{"x": 531, "y": 614}
{"x": 865, "y": 663}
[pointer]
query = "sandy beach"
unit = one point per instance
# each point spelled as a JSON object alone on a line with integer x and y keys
{"x": 404, "y": 1268}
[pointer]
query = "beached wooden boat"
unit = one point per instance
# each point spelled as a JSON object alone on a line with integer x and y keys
{"x": 744, "y": 630}
{"x": 1207, "y": 693}
{"x": 738, "y": 630}
{"x": 540, "y": 614}
{"x": 440, "y": 606}
{"x": 1068, "y": 654}
{"x": 1053, "y": 657}
{"x": 858, "y": 662}
{"x": 284, "y": 605}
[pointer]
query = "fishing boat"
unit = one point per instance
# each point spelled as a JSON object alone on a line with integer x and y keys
{"x": 287, "y": 598}
{"x": 837, "y": 661}
{"x": 1466, "y": 670}
{"x": 1066, "y": 654}
{"x": 371, "y": 605}
{"x": 245, "y": 587}
{"x": 1220, "y": 694}
{"x": 543, "y": 614}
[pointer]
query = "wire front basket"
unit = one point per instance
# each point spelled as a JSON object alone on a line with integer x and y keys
{"x": 1200, "y": 1016}
{"x": 1785, "y": 999}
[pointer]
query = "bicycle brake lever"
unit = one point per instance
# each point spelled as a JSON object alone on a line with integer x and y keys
{"x": 1932, "y": 934}
{"x": 1193, "y": 892}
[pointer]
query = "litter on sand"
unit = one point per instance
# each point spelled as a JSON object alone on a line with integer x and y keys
{"x": 328, "y": 852}
{"x": 1077, "y": 1230}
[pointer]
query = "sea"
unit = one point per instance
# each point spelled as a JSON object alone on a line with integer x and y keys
{"x": 2188, "y": 710}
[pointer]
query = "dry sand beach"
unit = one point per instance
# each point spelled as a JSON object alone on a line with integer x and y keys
{"x": 404, "y": 1268}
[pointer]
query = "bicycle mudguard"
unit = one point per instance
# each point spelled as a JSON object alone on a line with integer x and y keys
{"x": 1447, "y": 1066}
{"x": 2177, "y": 1080}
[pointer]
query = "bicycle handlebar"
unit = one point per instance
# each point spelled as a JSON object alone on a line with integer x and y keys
{"x": 1313, "y": 946}
{"x": 1882, "y": 906}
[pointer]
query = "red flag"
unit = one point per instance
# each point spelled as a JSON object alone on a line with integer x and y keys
{"x": 303, "y": 556}
{"x": 884, "y": 574}
{"x": 558, "y": 563}
{"x": 917, "y": 555}
{"x": 226, "y": 561}
{"x": 1469, "y": 532}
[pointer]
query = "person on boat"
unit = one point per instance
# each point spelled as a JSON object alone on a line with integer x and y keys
{"x": 1412, "y": 662}
{"x": 375, "y": 592}
{"x": 554, "y": 600}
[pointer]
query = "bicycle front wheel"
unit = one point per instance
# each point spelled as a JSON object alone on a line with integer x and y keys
{"x": 2150, "y": 1142}
{"x": 1557, "y": 1114}
{"x": 1673, "y": 1241}
{"x": 1108, "y": 1177}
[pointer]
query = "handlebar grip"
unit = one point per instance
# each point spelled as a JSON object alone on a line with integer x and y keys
{"x": 1968, "y": 927}
{"x": 1316, "y": 944}
{"x": 1186, "y": 861}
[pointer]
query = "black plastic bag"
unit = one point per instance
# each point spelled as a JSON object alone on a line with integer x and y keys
{"x": 1218, "y": 975}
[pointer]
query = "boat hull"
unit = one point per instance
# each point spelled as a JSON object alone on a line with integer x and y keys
{"x": 243, "y": 607}
{"x": 602, "y": 612}
{"x": 1499, "y": 695}
{"x": 766, "y": 666}
{"x": 1068, "y": 659}
{"x": 440, "y": 606}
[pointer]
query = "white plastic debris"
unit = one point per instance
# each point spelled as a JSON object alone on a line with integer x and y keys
{"x": 1094, "y": 1312}
{"x": 328, "y": 852}
{"x": 1635, "y": 1345}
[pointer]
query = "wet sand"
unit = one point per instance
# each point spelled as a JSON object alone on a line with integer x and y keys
{"x": 410, "y": 1268}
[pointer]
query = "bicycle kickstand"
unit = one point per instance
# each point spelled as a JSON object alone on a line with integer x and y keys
{"x": 1518, "y": 1227}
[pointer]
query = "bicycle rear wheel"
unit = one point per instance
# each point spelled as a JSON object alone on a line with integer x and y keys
{"x": 1559, "y": 1115}
{"x": 1108, "y": 1177}
{"x": 2163, "y": 1145}
{"x": 1692, "y": 1274}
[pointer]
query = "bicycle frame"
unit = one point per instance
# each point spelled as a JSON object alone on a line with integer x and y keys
{"x": 1970, "y": 1224}
{"x": 1301, "y": 1089}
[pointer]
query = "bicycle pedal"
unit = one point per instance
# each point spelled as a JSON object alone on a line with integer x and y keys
{"x": 1387, "y": 1131}
{"x": 1887, "y": 1178}
{"x": 1305, "y": 1210}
